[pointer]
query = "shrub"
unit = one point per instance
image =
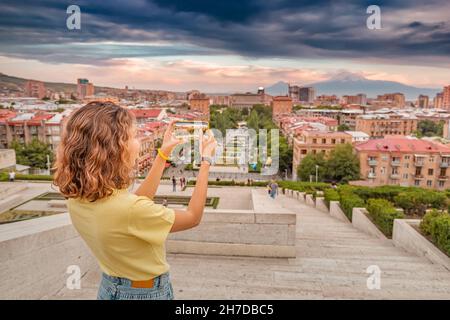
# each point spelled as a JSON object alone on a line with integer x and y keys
{"x": 331, "y": 195}
{"x": 418, "y": 201}
{"x": 437, "y": 225}
{"x": 425, "y": 224}
{"x": 349, "y": 201}
{"x": 382, "y": 192}
{"x": 383, "y": 214}
{"x": 309, "y": 187}
{"x": 19, "y": 176}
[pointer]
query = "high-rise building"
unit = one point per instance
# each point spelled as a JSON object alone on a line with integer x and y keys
{"x": 35, "y": 89}
{"x": 422, "y": 101}
{"x": 446, "y": 97}
{"x": 438, "y": 101}
{"x": 307, "y": 94}
{"x": 84, "y": 88}
{"x": 302, "y": 94}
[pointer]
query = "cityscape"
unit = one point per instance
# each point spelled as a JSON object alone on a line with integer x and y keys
{"x": 332, "y": 180}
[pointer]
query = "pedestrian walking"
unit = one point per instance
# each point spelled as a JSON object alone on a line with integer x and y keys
{"x": 174, "y": 184}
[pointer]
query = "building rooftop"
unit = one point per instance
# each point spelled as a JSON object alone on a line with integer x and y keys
{"x": 403, "y": 144}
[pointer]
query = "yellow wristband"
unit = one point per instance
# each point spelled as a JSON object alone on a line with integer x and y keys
{"x": 162, "y": 155}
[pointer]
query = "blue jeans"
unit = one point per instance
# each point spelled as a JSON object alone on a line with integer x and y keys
{"x": 115, "y": 288}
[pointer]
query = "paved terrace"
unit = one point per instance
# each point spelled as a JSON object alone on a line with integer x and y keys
{"x": 331, "y": 263}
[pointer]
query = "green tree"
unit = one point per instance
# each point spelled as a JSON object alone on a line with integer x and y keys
{"x": 307, "y": 167}
{"x": 33, "y": 154}
{"x": 343, "y": 127}
{"x": 429, "y": 128}
{"x": 343, "y": 164}
{"x": 253, "y": 120}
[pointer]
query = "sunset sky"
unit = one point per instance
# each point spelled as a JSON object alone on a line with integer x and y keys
{"x": 223, "y": 46}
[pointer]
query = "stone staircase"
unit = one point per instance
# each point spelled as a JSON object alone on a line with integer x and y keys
{"x": 331, "y": 262}
{"x": 335, "y": 256}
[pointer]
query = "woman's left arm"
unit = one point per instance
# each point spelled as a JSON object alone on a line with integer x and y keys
{"x": 151, "y": 183}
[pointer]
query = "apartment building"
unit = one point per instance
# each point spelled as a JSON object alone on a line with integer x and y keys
{"x": 446, "y": 97}
{"x": 380, "y": 125}
{"x": 248, "y": 100}
{"x": 396, "y": 99}
{"x": 302, "y": 94}
{"x": 145, "y": 115}
{"x": 200, "y": 103}
{"x": 405, "y": 161}
{"x": 149, "y": 135}
{"x": 35, "y": 89}
{"x": 359, "y": 99}
{"x": 24, "y": 127}
{"x": 423, "y": 101}
{"x": 281, "y": 105}
{"x": 314, "y": 142}
{"x": 84, "y": 88}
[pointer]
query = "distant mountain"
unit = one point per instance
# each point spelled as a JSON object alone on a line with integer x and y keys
{"x": 351, "y": 84}
{"x": 278, "y": 89}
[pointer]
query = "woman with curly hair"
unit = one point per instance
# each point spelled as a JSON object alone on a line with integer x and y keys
{"x": 125, "y": 231}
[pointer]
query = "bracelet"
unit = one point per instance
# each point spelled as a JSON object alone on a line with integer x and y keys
{"x": 207, "y": 159}
{"x": 162, "y": 155}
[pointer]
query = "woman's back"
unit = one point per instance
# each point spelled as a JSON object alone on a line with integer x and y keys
{"x": 125, "y": 232}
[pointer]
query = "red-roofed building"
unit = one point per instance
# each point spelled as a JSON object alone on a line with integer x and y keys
{"x": 148, "y": 115}
{"x": 24, "y": 127}
{"x": 149, "y": 135}
{"x": 5, "y": 116}
{"x": 405, "y": 161}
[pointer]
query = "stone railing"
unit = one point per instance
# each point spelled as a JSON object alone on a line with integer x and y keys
{"x": 405, "y": 233}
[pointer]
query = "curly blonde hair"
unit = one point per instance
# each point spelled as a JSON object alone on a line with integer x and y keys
{"x": 92, "y": 158}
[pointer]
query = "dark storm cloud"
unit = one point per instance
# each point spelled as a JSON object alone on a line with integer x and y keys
{"x": 263, "y": 29}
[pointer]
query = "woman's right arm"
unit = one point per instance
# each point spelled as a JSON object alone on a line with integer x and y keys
{"x": 186, "y": 219}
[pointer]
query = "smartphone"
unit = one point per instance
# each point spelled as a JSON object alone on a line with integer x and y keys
{"x": 190, "y": 129}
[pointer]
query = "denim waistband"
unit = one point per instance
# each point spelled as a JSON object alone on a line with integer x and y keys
{"x": 127, "y": 282}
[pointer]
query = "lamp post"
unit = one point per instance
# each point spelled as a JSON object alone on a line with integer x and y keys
{"x": 48, "y": 164}
{"x": 317, "y": 173}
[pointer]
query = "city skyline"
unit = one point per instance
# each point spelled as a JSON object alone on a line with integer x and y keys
{"x": 229, "y": 47}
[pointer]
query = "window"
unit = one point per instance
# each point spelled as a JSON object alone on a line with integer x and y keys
{"x": 342, "y": 140}
{"x": 333, "y": 141}
{"x": 314, "y": 140}
{"x": 383, "y": 170}
{"x": 431, "y": 159}
{"x": 443, "y": 172}
{"x": 324, "y": 141}
{"x": 406, "y": 165}
{"x": 441, "y": 184}
{"x": 384, "y": 157}
{"x": 430, "y": 172}
{"x": 405, "y": 176}
{"x": 417, "y": 182}
{"x": 418, "y": 171}
{"x": 407, "y": 157}
{"x": 429, "y": 183}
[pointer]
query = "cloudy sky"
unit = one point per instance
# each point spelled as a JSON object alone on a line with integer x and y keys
{"x": 223, "y": 46}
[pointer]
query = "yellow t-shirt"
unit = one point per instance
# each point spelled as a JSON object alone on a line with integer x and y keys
{"x": 125, "y": 232}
